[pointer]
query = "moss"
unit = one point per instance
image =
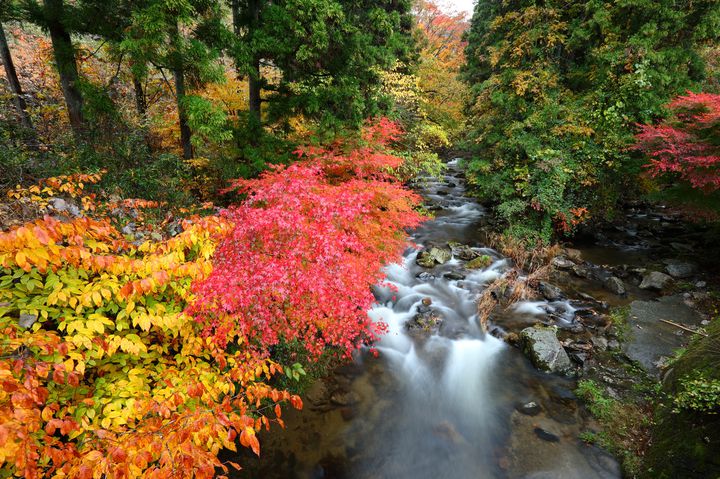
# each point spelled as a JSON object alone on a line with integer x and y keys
{"x": 624, "y": 425}
{"x": 686, "y": 443}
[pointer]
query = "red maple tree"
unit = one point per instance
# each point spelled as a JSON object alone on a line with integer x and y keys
{"x": 687, "y": 144}
{"x": 307, "y": 245}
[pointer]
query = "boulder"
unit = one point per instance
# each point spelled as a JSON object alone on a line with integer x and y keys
{"x": 550, "y": 291}
{"x": 480, "y": 262}
{"x": 430, "y": 257}
{"x": 562, "y": 263}
{"x": 655, "y": 280}
{"x": 543, "y": 348}
{"x": 681, "y": 270}
{"x": 464, "y": 252}
{"x": 615, "y": 285}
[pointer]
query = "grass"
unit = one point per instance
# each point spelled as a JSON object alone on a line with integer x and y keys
{"x": 625, "y": 425}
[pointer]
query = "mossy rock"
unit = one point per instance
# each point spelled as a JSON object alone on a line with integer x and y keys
{"x": 479, "y": 263}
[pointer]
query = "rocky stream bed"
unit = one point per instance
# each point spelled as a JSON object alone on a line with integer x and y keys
{"x": 444, "y": 399}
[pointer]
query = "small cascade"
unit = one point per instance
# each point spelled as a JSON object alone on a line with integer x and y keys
{"x": 436, "y": 397}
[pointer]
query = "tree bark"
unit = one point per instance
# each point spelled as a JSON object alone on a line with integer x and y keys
{"x": 140, "y": 101}
{"x": 64, "y": 54}
{"x": 185, "y": 133}
{"x": 12, "y": 77}
{"x": 178, "y": 69}
{"x": 255, "y": 77}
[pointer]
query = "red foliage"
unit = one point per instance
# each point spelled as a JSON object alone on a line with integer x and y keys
{"x": 689, "y": 143}
{"x": 307, "y": 245}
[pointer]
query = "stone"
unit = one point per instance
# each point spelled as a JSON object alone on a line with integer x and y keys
{"x": 581, "y": 271}
{"x": 600, "y": 343}
{"x": 128, "y": 229}
{"x": 425, "y": 276}
{"x": 27, "y": 320}
{"x": 546, "y": 435}
{"x": 430, "y": 257}
{"x": 544, "y": 350}
{"x": 464, "y": 252}
{"x": 615, "y": 285}
{"x": 562, "y": 263}
{"x": 650, "y": 339}
{"x": 681, "y": 270}
{"x": 701, "y": 284}
{"x": 480, "y": 262}
{"x": 613, "y": 345}
{"x": 550, "y": 291}
{"x": 573, "y": 255}
{"x": 655, "y": 280}
{"x": 59, "y": 204}
{"x": 426, "y": 320}
{"x": 454, "y": 275}
{"x": 529, "y": 409}
{"x": 344, "y": 398}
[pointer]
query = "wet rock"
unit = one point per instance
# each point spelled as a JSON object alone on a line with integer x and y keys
{"x": 681, "y": 270}
{"x": 615, "y": 285}
{"x": 344, "y": 398}
{"x": 433, "y": 256}
{"x": 454, "y": 276}
{"x": 573, "y": 255}
{"x": 562, "y": 263}
{"x": 579, "y": 358}
{"x": 543, "y": 348}
{"x": 529, "y": 409}
{"x": 613, "y": 345}
{"x": 479, "y": 263}
{"x": 425, "y": 276}
{"x": 546, "y": 435}
{"x": 463, "y": 252}
{"x": 317, "y": 395}
{"x": 581, "y": 271}
{"x": 682, "y": 247}
{"x": 652, "y": 339}
{"x": 550, "y": 291}
{"x": 701, "y": 284}
{"x": 426, "y": 320}
{"x": 655, "y": 280}
{"x": 348, "y": 413}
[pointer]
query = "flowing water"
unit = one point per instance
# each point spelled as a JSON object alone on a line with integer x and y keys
{"x": 440, "y": 404}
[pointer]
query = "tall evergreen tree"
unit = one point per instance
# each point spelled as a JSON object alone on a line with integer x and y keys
{"x": 328, "y": 53}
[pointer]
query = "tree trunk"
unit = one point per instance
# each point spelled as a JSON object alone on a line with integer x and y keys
{"x": 178, "y": 69}
{"x": 12, "y": 77}
{"x": 185, "y": 133}
{"x": 65, "y": 61}
{"x": 255, "y": 77}
{"x": 140, "y": 101}
{"x": 254, "y": 87}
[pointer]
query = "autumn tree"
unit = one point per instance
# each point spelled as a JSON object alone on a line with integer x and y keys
{"x": 557, "y": 88}
{"x": 184, "y": 38}
{"x": 442, "y": 54}
{"x": 686, "y": 145}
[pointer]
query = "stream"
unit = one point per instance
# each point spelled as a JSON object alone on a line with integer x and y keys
{"x": 446, "y": 402}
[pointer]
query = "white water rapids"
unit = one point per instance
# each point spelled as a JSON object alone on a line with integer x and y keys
{"x": 441, "y": 403}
